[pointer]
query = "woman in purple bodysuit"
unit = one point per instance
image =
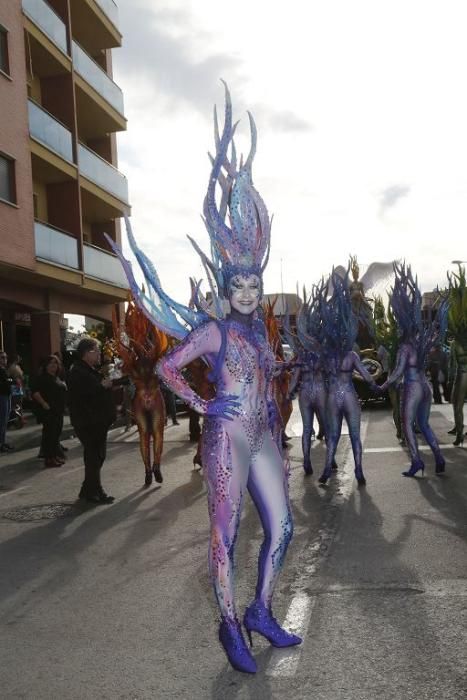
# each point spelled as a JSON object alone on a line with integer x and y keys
{"x": 238, "y": 449}
{"x": 417, "y": 338}
{"x": 308, "y": 376}
{"x": 340, "y": 326}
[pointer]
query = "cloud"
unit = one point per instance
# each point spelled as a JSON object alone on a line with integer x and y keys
{"x": 391, "y": 195}
{"x": 173, "y": 69}
{"x": 169, "y": 52}
{"x": 280, "y": 120}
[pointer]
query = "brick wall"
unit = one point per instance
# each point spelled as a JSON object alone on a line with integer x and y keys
{"x": 16, "y": 222}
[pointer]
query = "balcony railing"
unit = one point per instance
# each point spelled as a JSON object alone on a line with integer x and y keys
{"x": 109, "y": 7}
{"x": 46, "y": 129}
{"x": 103, "y": 266}
{"x": 102, "y": 173}
{"x": 55, "y": 246}
{"x": 47, "y": 20}
{"x": 97, "y": 78}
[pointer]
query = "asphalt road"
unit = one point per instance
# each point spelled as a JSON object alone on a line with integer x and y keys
{"x": 114, "y": 601}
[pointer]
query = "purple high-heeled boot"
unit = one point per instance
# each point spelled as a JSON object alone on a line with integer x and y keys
{"x": 231, "y": 638}
{"x": 259, "y": 618}
{"x": 359, "y": 475}
{"x": 415, "y": 467}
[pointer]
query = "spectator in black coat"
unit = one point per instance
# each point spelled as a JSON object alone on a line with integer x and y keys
{"x": 92, "y": 411}
{"x": 5, "y": 399}
{"x": 49, "y": 392}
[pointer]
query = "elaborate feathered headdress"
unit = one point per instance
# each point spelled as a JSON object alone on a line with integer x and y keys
{"x": 406, "y": 305}
{"x": 239, "y": 231}
{"x": 339, "y": 323}
{"x": 239, "y": 227}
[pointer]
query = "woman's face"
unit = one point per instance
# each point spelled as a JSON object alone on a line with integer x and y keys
{"x": 244, "y": 293}
{"x": 52, "y": 367}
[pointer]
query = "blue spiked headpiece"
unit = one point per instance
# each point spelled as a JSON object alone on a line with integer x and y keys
{"x": 239, "y": 227}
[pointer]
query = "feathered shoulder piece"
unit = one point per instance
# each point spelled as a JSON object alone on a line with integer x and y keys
{"x": 137, "y": 338}
{"x": 169, "y": 316}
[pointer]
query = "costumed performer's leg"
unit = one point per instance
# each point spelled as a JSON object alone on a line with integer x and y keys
{"x": 143, "y": 422}
{"x": 319, "y": 403}
{"x": 226, "y": 461}
{"x": 157, "y": 430}
{"x": 396, "y": 413}
{"x": 333, "y": 427}
{"x": 423, "y": 417}
{"x": 411, "y": 397}
{"x": 268, "y": 487}
{"x": 306, "y": 410}
{"x": 353, "y": 414}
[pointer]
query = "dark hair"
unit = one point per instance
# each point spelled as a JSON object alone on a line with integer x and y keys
{"x": 45, "y": 362}
{"x": 85, "y": 345}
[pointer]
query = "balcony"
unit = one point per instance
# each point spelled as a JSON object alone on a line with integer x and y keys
{"x": 103, "y": 266}
{"x": 95, "y": 24}
{"x": 53, "y": 245}
{"x": 48, "y": 22}
{"x": 109, "y": 8}
{"x": 97, "y": 78}
{"x": 96, "y": 169}
{"x": 50, "y": 132}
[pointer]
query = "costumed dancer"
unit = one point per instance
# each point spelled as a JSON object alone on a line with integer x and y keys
{"x": 309, "y": 376}
{"x": 340, "y": 327}
{"x": 140, "y": 345}
{"x": 238, "y": 450}
{"x": 282, "y": 374}
{"x": 197, "y": 376}
{"x": 416, "y": 340}
{"x": 457, "y": 323}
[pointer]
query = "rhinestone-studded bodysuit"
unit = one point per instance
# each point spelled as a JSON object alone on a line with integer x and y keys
{"x": 237, "y": 454}
{"x": 342, "y": 402}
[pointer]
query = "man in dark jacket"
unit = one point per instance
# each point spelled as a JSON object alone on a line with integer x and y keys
{"x": 5, "y": 392}
{"x": 92, "y": 411}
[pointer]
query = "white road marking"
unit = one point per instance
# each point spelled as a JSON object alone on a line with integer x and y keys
{"x": 422, "y": 448}
{"x": 68, "y": 471}
{"x": 284, "y": 662}
{"x": 8, "y": 493}
{"x": 295, "y": 428}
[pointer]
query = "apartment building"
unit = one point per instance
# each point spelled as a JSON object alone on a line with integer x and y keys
{"x": 60, "y": 188}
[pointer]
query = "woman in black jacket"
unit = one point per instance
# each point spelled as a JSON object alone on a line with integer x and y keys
{"x": 49, "y": 392}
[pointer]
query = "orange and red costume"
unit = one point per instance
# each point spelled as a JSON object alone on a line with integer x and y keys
{"x": 140, "y": 345}
{"x": 282, "y": 379}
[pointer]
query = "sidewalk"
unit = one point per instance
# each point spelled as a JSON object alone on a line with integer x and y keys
{"x": 30, "y": 434}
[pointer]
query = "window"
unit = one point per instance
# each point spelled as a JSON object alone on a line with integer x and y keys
{"x": 7, "y": 179}
{"x": 4, "y": 63}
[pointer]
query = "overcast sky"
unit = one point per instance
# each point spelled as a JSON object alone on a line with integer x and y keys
{"x": 361, "y": 115}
